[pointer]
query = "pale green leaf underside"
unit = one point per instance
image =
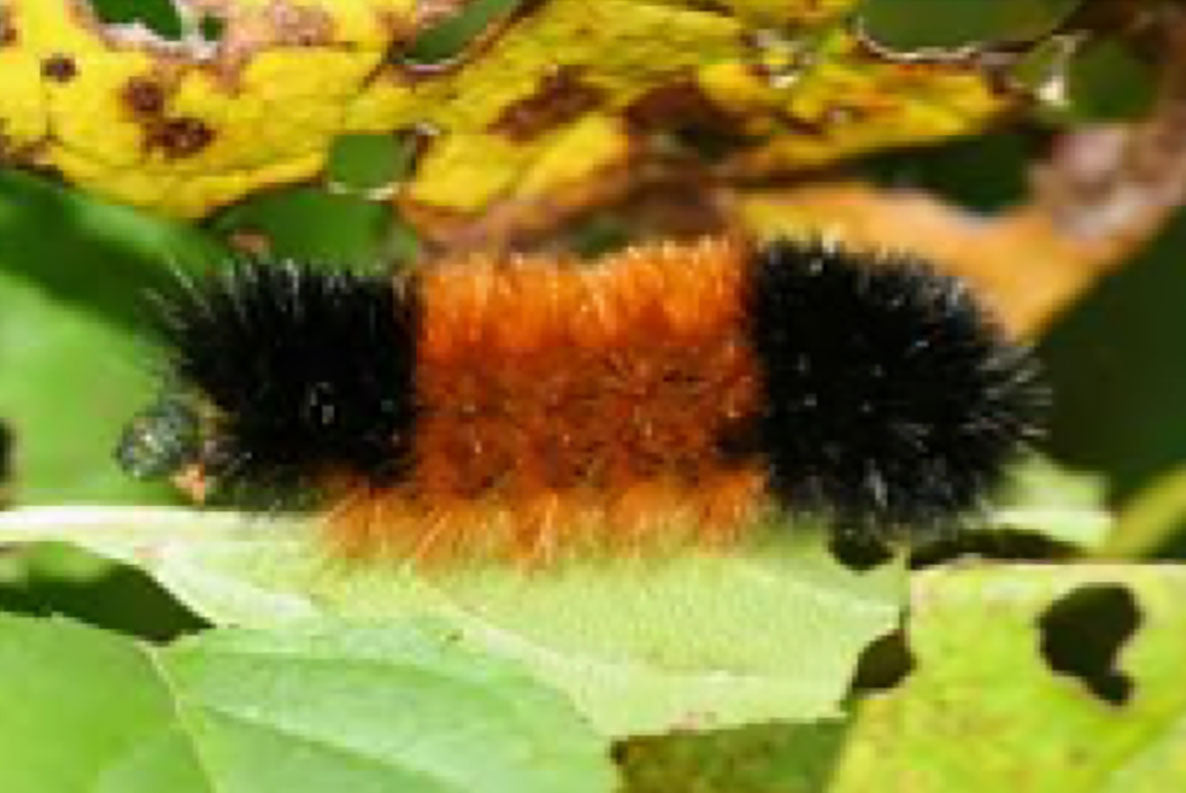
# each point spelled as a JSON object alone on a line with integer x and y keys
{"x": 1055, "y": 502}
{"x": 700, "y": 639}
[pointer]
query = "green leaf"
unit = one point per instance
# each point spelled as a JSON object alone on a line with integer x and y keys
{"x": 310, "y": 224}
{"x": 367, "y": 164}
{"x": 761, "y": 758}
{"x": 211, "y": 27}
{"x": 1151, "y": 518}
{"x": 1032, "y": 678}
{"x": 1120, "y": 412}
{"x": 159, "y": 16}
{"x": 403, "y": 708}
{"x": 696, "y": 640}
{"x": 1044, "y": 498}
{"x": 1080, "y": 80}
{"x": 1108, "y": 81}
{"x": 85, "y": 710}
{"x": 912, "y": 27}
{"x": 74, "y": 274}
{"x": 446, "y": 39}
{"x": 986, "y": 173}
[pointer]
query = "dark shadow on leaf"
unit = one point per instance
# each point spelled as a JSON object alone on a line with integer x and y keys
{"x": 1114, "y": 360}
{"x": 110, "y": 596}
{"x": 760, "y": 758}
{"x": 1005, "y": 544}
{"x": 858, "y": 552}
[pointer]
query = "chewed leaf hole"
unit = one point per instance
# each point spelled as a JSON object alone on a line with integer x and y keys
{"x": 212, "y": 28}
{"x": 883, "y": 664}
{"x": 1082, "y": 633}
{"x": 447, "y": 38}
{"x": 159, "y": 16}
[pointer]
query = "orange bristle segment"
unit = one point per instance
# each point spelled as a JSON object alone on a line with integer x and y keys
{"x": 579, "y": 407}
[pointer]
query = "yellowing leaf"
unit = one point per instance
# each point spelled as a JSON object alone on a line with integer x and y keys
{"x": 540, "y": 102}
{"x": 993, "y": 703}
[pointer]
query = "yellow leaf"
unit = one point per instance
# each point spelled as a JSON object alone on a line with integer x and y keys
{"x": 538, "y": 102}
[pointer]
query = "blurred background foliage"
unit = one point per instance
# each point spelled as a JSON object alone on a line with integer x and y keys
{"x": 76, "y": 360}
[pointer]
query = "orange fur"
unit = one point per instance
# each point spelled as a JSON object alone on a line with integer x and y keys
{"x": 574, "y": 407}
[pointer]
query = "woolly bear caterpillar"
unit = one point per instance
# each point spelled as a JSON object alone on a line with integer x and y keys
{"x": 525, "y": 409}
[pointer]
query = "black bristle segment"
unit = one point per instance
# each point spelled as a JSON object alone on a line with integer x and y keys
{"x": 303, "y": 370}
{"x": 892, "y": 400}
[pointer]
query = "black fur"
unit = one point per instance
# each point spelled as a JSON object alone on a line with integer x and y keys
{"x": 892, "y": 400}
{"x": 294, "y": 371}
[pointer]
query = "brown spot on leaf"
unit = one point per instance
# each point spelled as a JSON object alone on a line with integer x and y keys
{"x": 559, "y": 98}
{"x": 182, "y": 136}
{"x": 179, "y": 137}
{"x": 674, "y": 104}
{"x": 8, "y": 34}
{"x": 145, "y": 97}
{"x": 59, "y": 67}
{"x": 630, "y": 193}
{"x": 11, "y": 152}
{"x": 525, "y": 9}
{"x": 682, "y": 109}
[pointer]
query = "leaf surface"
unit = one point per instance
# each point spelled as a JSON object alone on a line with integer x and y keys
{"x": 402, "y": 707}
{"x": 696, "y": 640}
{"x": 1033, "y": 678}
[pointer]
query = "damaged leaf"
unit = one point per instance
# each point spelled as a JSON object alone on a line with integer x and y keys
{"x": 1032, "y": 679}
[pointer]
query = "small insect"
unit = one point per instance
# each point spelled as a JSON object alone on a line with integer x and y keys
{"x": 160, "y": 440}
{"x": 527, "y": 409}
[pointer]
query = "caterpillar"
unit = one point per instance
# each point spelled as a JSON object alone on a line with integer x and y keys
{"x": 522, "y": 408}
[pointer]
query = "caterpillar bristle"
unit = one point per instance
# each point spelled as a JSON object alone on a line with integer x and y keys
{"x": 667, "y": 394}
{"x": 296, "y": 371}
{"x": 891, "y": 398}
